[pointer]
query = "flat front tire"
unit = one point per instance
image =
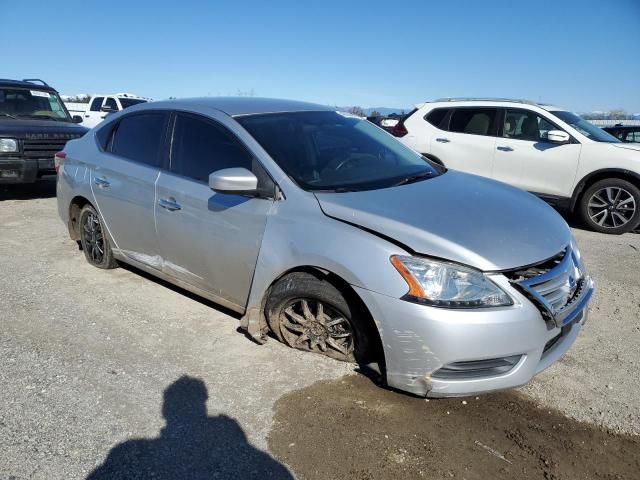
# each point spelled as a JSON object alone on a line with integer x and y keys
{"x": 309, "y": 313}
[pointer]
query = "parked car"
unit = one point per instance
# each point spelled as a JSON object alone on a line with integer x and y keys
{"x": 386, "y": 123}
{"x": 332, "y": 234}
{"x": 99, "y": 106}
{"x": 543, "y": 149}
{"x": 34, "y": 125}
{"x": 625, "y": 133}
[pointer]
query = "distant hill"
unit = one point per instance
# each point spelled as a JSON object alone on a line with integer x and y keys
{"x": 384, "y": 111}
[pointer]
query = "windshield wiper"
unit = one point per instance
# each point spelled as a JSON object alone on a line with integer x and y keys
{"x": 46, "y": 117}
{"x": 414, "y": 178}
{"x": 6, "y": 115}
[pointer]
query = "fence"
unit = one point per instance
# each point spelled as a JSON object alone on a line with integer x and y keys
{"x": 611, "y": 123}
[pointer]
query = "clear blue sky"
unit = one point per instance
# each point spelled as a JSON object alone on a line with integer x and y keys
{"x": 584, "y": 55}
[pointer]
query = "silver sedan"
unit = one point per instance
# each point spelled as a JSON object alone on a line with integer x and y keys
{"x": 323, "y": 229}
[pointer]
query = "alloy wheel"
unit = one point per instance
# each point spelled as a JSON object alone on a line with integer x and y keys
{"x": 611, "y": 207}
{"x": 93, "y": 238}
{"x": 313, "y": 325}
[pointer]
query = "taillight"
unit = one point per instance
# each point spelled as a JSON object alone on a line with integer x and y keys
{"x": 399, "y": 130}
{"x": 58, "y": 158}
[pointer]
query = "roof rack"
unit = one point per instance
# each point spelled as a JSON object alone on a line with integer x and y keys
{"x": 33, "y": 80}
{"x": 485, "y": 99}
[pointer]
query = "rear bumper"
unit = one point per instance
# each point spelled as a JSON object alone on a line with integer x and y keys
{"x": 428, "y": 349}
{"x": 17, "y": 170}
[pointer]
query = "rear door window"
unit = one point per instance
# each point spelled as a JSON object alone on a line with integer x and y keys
{"x": 474, "y": 121}
{"x": 96, "y": 103}
{"x": 111, "y": 103}
{"x": 140, "y": 137}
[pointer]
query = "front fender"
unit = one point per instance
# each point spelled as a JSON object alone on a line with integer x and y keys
{"x": 298, "y": 234}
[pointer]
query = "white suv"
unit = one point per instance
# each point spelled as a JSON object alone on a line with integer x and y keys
{"x": 555, "y": 154}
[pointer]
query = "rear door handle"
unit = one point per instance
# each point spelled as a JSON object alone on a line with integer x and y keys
{"x": 169, "y": 204}
{"x": 443, "y": 140}
{"x": 505, "y": 149}
{"x": 101, "y": 182}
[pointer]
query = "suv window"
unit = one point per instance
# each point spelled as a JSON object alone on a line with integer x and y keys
{"x": 111, "y": 102}
{"x": 475, "y": 121}
{"x": 96, "y": 103}
{"x": 438, "y": 118}
{"x": 526, "y": 125}
{"x": 139, "y": 137}
{"x": 201, "y": 147}
{"x": 633, "y": 136}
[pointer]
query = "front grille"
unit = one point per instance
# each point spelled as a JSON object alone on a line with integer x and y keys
{"x": 42, "y": 148}
{"x": 553, "y": 285}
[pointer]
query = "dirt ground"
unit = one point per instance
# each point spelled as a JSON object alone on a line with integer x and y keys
{"x": 350, "y": 428}
{"x": 96, "y": 368}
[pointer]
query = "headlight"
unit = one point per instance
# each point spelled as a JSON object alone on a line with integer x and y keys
{"x": 446, "y": 285}
{"x": 8, "y": 145}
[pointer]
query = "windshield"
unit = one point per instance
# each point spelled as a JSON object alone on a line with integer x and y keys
{"x": 331, "y": 151}
{"x": 32, "y": 103}
{"x": 128, "y": 102}
{"x": 586, "y": 128}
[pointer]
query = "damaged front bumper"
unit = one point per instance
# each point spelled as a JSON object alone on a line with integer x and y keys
{"x": 438, "y": 352}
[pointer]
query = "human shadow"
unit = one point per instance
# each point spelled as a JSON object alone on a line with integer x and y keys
{"x": 190, "y": 446}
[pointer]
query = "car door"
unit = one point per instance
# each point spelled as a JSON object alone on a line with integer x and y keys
{"x": 93, "y": 114}
{"x": 468, "y": 139}
{"x": 526, "y": 159}
{"x": 123, "y": 184}
{"x": 210, "y": 240}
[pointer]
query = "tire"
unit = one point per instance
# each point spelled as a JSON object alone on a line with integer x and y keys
{"x": 318, "y": 331}
{"x": 94, "y": 242}
{"x": 611, "y": 206}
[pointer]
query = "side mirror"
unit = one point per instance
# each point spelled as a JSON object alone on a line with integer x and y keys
{"x": 76, "y": 119}
{"x": 233, "y": 180}
{"x": 107, "y": 108}
{"x": 558, "y": 136}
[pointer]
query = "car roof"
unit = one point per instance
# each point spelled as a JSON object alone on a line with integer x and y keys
{"x": 236, "y": 106}
{"x": 489, "y": 101}
{"x": 4, "y": 82}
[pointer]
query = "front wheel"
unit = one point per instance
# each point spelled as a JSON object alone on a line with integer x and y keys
{"x": 309, "y": 313}
{"x": 611, "y": 206}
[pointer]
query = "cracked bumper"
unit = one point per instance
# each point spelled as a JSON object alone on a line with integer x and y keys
{"x": 419, "y": 340}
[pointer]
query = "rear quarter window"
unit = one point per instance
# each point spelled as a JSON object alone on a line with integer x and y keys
{"x": 438, "y": 118}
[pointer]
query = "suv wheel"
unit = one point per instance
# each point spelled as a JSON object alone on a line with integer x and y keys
{"x": 611, "y": 206}
{"x": 95, "y": 243}
{"x": 309, "y": 313}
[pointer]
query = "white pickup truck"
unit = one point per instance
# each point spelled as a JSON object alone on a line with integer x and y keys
{"x": 100, "y": 106}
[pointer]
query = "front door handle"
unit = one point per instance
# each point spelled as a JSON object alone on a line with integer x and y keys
{"x": 505, "y": 149}
{"x": 443, "y": 140}
{"x": 101, "y": 182}
{"x": 169, "y": 204}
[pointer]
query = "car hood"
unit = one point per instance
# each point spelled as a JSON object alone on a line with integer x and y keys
{"x": 628, "y": 146}
{"x": 459, "y": 217}
{"x": 28, "y": 128}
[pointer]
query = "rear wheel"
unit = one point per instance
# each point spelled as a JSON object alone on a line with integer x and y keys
{"x": 611, "y": 206}
{"x": 309, "y": 313}
{"x": 95, "y": 243}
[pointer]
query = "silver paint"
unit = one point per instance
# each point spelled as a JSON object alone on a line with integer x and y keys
{"x": 232, "y": 248}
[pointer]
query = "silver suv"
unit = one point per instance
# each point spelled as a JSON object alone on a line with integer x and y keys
{"x": 329, "y": 232}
